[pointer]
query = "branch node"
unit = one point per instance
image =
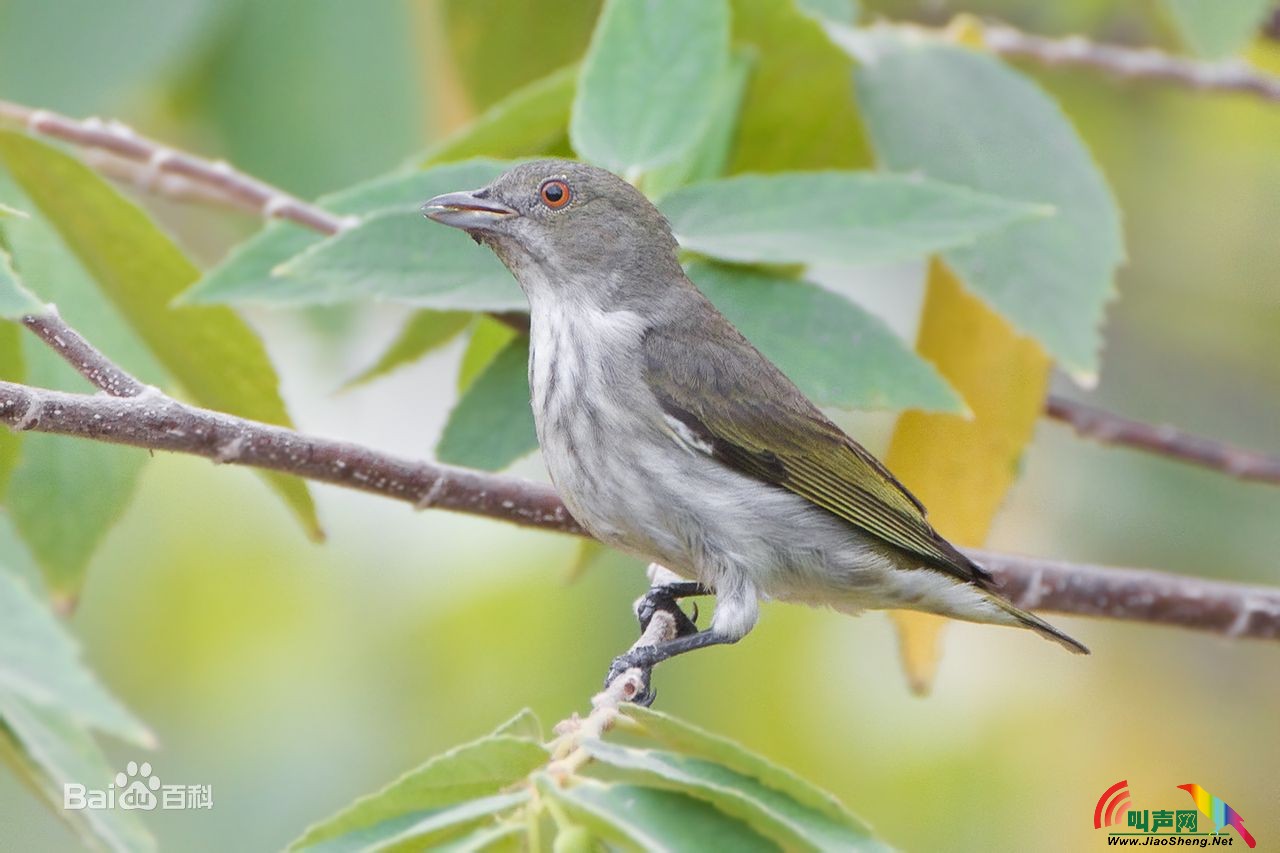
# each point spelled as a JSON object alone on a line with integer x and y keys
{"x": 434, "y": 493}
{"x": 275, "y": 205}
{"x": 149, "y": 175}
{"x": 31, "y": 416}
{"x": 120, "y": 129}
{"x": 230, "y": 452}
{"x": 38, "y": 120}
{"x": 1030, "y": 599}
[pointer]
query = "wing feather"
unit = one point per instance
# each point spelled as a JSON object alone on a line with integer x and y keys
{"x": 712, "y": 380}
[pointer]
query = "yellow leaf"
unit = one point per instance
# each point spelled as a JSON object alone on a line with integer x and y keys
{"x": 961, "y": 468}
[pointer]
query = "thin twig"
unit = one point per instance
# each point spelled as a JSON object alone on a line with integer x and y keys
{"x": 1108, "y": 592}
{"x": 174, "y": 187}
{"x": 1128, "y": 63}
{"x": 256, "y": 195}
{"x": 1109, "y": 428}
{"x": 124, "y": 142}
{"x": 156, "y": 422}
{"x": 88, "y": 360}
{"x": 567, "y": 752}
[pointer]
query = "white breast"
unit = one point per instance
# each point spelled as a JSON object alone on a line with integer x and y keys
{"x": 585, "y": 383}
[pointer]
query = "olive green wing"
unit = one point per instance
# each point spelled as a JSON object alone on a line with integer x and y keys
{"x": 752, "y": 418}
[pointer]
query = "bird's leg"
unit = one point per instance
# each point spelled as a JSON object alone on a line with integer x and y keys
{"x": 645, "y": 658}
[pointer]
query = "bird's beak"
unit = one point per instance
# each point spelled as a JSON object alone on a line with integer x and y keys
{"x": 469, "y": 211}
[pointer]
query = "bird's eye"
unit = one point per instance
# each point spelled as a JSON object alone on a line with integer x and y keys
{"x": 555, "y": 194}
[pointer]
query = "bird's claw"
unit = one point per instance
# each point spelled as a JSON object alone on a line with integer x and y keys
{"x": 658, "y": 600}
{"x": 625, "y": 662}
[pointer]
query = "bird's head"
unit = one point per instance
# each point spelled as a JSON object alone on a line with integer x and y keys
{"x": 566, "y": 229}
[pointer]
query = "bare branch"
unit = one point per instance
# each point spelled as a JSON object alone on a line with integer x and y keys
{"x": 1127, "y": 63}
{"x": 174, "y": 187}
{"x": 1110, "y": 428}
{"x": 122, "y": 141}
{"x": 87, "y": 359}
{"x": 1232, "y": 610}
{"x": 156, "y": 422}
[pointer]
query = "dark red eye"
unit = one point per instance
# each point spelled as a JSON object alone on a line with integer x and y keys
{"x": 555, "y": 194}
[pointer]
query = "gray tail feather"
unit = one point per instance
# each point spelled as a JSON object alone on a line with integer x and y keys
{"x": 1041, "y": 627}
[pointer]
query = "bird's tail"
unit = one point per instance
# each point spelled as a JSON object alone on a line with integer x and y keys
{"x": 1238, "y": 824}
{"x": 1041, "y": 627}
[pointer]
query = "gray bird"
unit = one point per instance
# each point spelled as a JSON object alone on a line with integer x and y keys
{"x": 669, "y": 436}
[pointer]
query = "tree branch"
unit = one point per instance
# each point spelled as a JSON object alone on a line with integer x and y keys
{"x": 1163, "y": 440}
{"x": 1127, "y": 63}
{"x": 153, "y": 421}
{"x": 88, "y": 360}
{"x": 122, "y": 141}
{"x": 255, "y": 195}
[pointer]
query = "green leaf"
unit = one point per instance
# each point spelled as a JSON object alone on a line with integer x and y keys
{"x": 492, "y": 424}
{"x": 65, "y": 493}
{"x": 401, "y": 257}
{"x": 838, "y": 354}
{"x": 423, "y": 332}
{"x": 649, "y": 81}
{"x": 499, "y": 837}
{"x": 430, "y": 831}
{"x": 40, "y": 662}
{"x": 478, "y": 769}
{"x": 246, "y": 276}
{"x": 488, "y": 338}
{"x": 6, "y": 210}
{"x": 799, "y": 111}
{"x": 211, "y": 352}
{"x": 833, "y": 217}
{"x": 16, "y": 301}
{"x": 654, "y": 819}
{"x": 767, "y": 810}
{"x": 710, "y": 154}
{"x": 49, "y": 750}
{"x": 524, "y": 724}
{"x": 966, "y": 118}
{"x": 496, "y": 45}
{"x": 1218, "y": 28}
{"x": 686, "y": 738}
{"x": 531, "y": 120}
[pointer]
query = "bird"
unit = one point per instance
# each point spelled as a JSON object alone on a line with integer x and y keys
{"x": 669, "y": 436}
{"x": 1219, "y": 812}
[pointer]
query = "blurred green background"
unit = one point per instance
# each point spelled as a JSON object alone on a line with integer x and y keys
{"x": 294, "y": 677}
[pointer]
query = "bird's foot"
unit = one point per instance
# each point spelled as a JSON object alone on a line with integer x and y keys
{"x": 641, "y": 659}
{"x": 663, "y": 599}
